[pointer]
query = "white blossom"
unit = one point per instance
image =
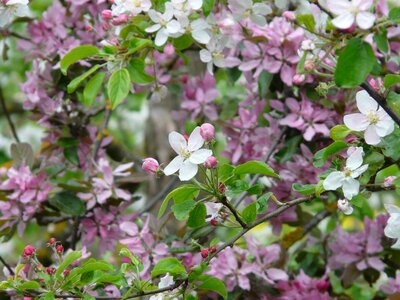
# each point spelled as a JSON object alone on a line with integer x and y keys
{"x": 189, "y": 154}
{"x": 199, "y": 29}
{"x": 131, "y": 7}
{"x": 348, "y": 12}
{"x": 165, "y": 281}
{"x": 345, "y": 206}
{"x": 392, "y": 229}
{"x": 11, "y": 9}
{"x": 213, "y": 54}
{"x": 185, "y": 7}
{"x": 346, "y": 178}
{"x": 244, "y": 9}
{"x": 373, "y": 119}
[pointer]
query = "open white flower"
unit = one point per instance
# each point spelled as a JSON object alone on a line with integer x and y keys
{"x": 189, "y": 154}
{"x": 346, "y": 178}
{"x": 392, "y": 229}
{"x": 352, "y": 11}
{"x": 373, "y": 119}
{"x": 11, "y": 9}
{"x": 199, "y": 29}
{"x": 185, "y": 7}
{"x": 132, "y": 7}
{"x": 165, "y": 281}
{"x": 213, "y": 55}
{"x": 345, "y": 206}
{"x": 244, "y": 9}
{"x": 165, "y": 25}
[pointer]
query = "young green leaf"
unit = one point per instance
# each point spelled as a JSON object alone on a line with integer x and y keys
{"x": 69, "y": 259}
{"x": 182, "y": 209}
{"x": 212, "y": 284}
{"x": 249, "y": 213}
{"x": 169, "y": 265}
{"x": 184, "y": 192}
{"x": 391, "y": 79}
{"x": 197, "y": 216}
{"x": 92, "y": 88}
{"x": 76, "y": 55}
{"x": 339, "y": 132}
{"x": 208, "y": 6}
{"x": 255, "y": 167}
{"x": 74, "y": 84}
{"x": 118, "y": 87}
{"x": 137, "y": 72}
{"x": 322, "y": 155}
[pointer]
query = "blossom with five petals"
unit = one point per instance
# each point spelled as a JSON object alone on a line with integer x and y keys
{"x": 352, "y": 11}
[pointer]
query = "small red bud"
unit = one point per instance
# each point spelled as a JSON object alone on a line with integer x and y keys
{"x": 50, "y": 270}
{"x": 28, "y": 251}
{"x": 52, "y": 241}
{"x": 222, "y": 188}
{"x": 204, "y": 253}
{"x": 214, "y": 222}
{"x": 66, "y": 272}
{"x": 212, "y": 249}
{"x": 60, "y": 248}
{"x": 88, "y": 27}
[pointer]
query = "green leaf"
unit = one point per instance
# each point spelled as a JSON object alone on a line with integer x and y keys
{"x": 249, "y": 213}
{"x": 322, "y": 155}
{"x": 69, "y": 259}
{"x": 74, "y": 84}
{"x": 394, "y": 14}
{"x": 197, "y": 217}
{"x": 307, "y": 20}
{"x": 180, "y": 194}
{"x": 225, "y": 172}
{"x": 71, "y": 154}
{"x": 391, "y": 145}
{"x": 136, "y": 44}
{"x": 182, "y": 209}
{"x": 169, "y": 265}
{"x": 381, "y": 40}
{"x": 358, "y": 200}
{"x": 339, "y": 132}
{"x": 68, "y": 203}
{"x": 118, "y": 87}
{"x": 255, "y": 167}
{"x": 137, "y": 72}
{"x": 183, "y": 42}
{"x": 262, "y": 203}
{"x": 354, "y": 64}
{"x": 76, "y": 55}
{"x": 29, "y": 285}
{"x": 208, "y": 6}
{"x": 48, "y": 296}
{"x": 126, "y": 252}
{"x": 92, "y": 88}
{"x": 394, "y": 101}
{"x": 391, "y": 79}
{"x": 304, "y": 189}
{"x": 212, "y": 284}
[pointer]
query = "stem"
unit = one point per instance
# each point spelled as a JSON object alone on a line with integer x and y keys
{"x": 7, "y": 266}
{"x": 100, "y": 135}
{"x": 381, "y": 101}
{"x": 235, "y": 213}
{"x": 10, "y": 122}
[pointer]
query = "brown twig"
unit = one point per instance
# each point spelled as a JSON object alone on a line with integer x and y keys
{"x": 7, "y": 266}
{"x": 9, "y": 120}
{"x": 233, "y": 210}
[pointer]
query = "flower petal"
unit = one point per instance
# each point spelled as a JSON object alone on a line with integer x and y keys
{"x": 356, "y": 122}
{"x": 187, "y": 171}
{"x": 344, "y": 21}
{"x": 174, "y": 165}
{"x": 200, "y": 156}
{"x": 350, "y": 187}
{"x": 261, "y": 9}
{"x": 333, "y": 181}
{"x": 384, "y": 127}
{"x": 153, "y": 28}
{"x": 205, "y": 56}
{"x": 161, "y": 37}
{"x": 365, "y": 20}
{"x": 355, "y": 159}
{"x": 195, "y": 140}
{"x": 173, "y": 26}
{"x": 177, "y": 141}
{"x": 338, "y": 7}
{"x": 357, "y": 172}
{"x": 371, "y": 136}
{"x": 365, "y": 102}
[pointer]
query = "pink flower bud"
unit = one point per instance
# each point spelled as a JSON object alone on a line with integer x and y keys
{"x": 309, "y": 65}
{"x": 211, "y": 162}
{"x": 50, "y": 270}
{"x": 60, "y": 248}
{"x": 212, "y": 249}
{"x": 105, "y": 26}
{"x": 204, "y": 253}
{"x": 28, "y": 251}
{"x": 52, "y": 241}
{"x": 289, "y": 15}
{"x": 121, "y": 19}
{"x": 207, "y": 131}
{"x": 88, "y": 27}
{"x": 169, "y": 49}
{"x": 150, "y": 165}
{"x": 350, "y": 29}
{"x": 106, "y": 14}
{"x": 66, "y": 272}
{"x": 299, "y": 78}
{"x": 389, "y": 181}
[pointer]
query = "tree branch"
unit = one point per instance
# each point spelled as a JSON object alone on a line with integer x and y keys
{"x": 10, "y": 122}
{"x": 100, "y": 134}
{"x": 233, "y": 210}
{"x": 381, "y": 101}
{"x": 7, "y": 266}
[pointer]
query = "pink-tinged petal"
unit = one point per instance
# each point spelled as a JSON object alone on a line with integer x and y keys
{"x": 120, "y": 193}
{"x": 333, "y": 181}
{"x": 287, "y": 74}
{"x": 365, "y": 102}
{"x": 293, "y": 104}
{"x": 376, "y": 263}
{"x": 103, "y": 196}
{"x": 365, "y": 20}
{"x": 177, "y": 141}
{"x": 276, "y": 274}
{"x": 343, "y": 21}
{"x": 195, "y": 141}
{"x": 371, "y": 136}
{"x": 309, "y": 133}
{"x": 129, "y": 227}
{"x": 200, "y": 156}
{"x": 28, "y": 196}
{"x": 338, "y": 7}
{"x": 119, "y": 171}
{"x": 363, "y": 4}
{"x": 355, "y": 159}
{"x": 174, "y": 165}
{"x": 249, "y": 65}
{"x": 187, "y": 171}
{"x": 356, "y": 122}
{"x": 350, "y": 187}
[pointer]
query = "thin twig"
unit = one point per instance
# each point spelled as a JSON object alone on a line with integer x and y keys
{"x": 233, "y": 210}
{"x": 100, "y": 134}
{"x": 9, "y": 120}
{"x": 7, "y": 266}
{"x": 381, "y": 101}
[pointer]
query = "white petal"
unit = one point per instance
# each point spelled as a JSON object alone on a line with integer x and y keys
{"x": 187, "y": 171}
{"x": 371, "y": 136}
{"x": 355, "y": 159}
{"x": 392, "y": 209}
{"x": 173, "y": 166}
{"x": 177, "y": 141}
{"x": 201, "y": 36}
{"x": 196, "y": 4}
{"x": 333, "y": 181}
{"x": 258, "y": 19}
{"x": 365, "y": 20}
{"x": 195, "y": 140}
{"x": 350, "y": 187}
{"x": 357, "y": 172}
{"x": 153, "y": 28}
{"x": 344, "y": 21}
{"x": 161, "y": 37}
{"x": 261, "y": 9}
{"x": 205, "y": 56}
{"x": 173, "y": 26}
{"x": 338, "y": 7}
{"x": 200, "y": 156}
{"x": 365, "y": 102}
{"x": 356, "y": 122}
{"x": 154, "y": 16}
{"x": 384, "y": 127}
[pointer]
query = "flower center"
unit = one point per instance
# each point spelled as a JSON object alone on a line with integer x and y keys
{"x": 247, "y": 13}
{"x": 372, "y": 117}
{"x": 347, "y": 172}
{"x": 217, "y": 55}
{"x": 185, "y": 153}
{"x": 137, "y": 3}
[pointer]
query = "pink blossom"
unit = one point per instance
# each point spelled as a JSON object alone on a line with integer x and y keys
{"x": 207, "y": 132}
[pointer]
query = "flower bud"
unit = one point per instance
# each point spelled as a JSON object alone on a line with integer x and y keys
{"x": 50, "y": 270}
{"x": 121, "y": 19}
{"x": 106, "y": 14}
{"x": 66, "y": 272}
{"x": 211, "y": 162}
{"x": 150, "y": 165}
{"x": 204, "y": 253}
{"x": 207, "y": 131}
{"x": 52, "y": 241}
{"x": 299, "y": 78}
{"x": 28, "y": 251}
{"x": 169, "y": 49}
{"x": 289, "y": 15}
{"x": 60, "y": 248}
{"x": 212, "y": 249}
{"x": 345, "y": 206}
{"x": 105, "y": 26}
{"x": 88, "y": 27}
{"x": 214, "y": 222}
{"x": 389, "y": 181}
{"x": 309, "y": 65}
{"x": 222, "y": 188}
